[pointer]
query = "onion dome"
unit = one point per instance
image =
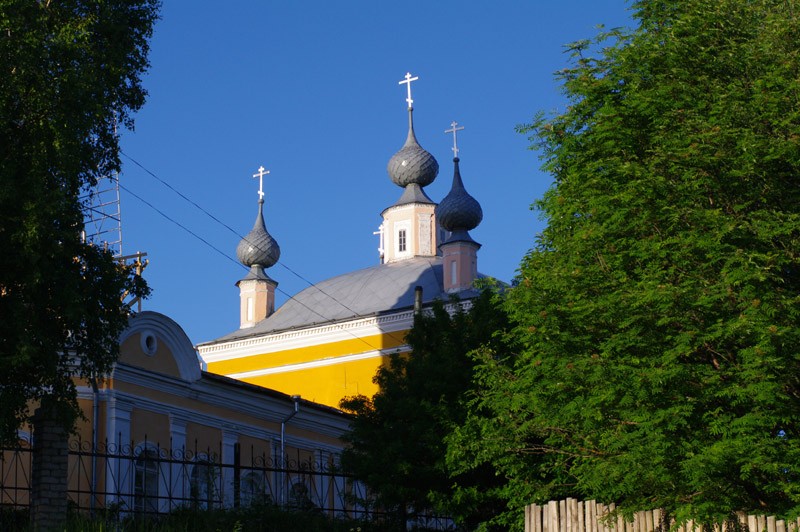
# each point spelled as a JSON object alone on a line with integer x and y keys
{"x": 412, "y": 165}
{"x": 458, "y": 211}
{"x": 258, "y": 249}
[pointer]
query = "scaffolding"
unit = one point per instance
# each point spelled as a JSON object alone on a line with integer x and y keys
{"x": 102, "y": 215}
{"x": 102, "y": 219}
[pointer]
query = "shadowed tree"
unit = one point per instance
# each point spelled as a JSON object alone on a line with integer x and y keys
{"x": 397, "y": 440}
{"x": 658, "y": 312}
{"x": 69, "y": 75}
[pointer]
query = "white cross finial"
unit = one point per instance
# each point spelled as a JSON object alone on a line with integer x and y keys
{"x": 407, "y": 82}
{"x": 381, "y": 233}
{"x": 260, "y": 175}
{"x": 454, "y": 130}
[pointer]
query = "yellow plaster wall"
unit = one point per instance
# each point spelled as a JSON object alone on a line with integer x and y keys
{"x": 325, "y": 384}
{"x": 203, "y": 439}
{"x": 162, "y": 361}
{"x": 254, "y": 448}
{"x": 150, "y": 426}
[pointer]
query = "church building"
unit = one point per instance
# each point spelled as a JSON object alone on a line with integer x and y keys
{"x": 328, "y": 341}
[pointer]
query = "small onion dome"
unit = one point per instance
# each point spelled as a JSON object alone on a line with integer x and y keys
{"x": 458, "y": 210}
{"x": 412, "y": 164}
{"x": 258, "y": 248}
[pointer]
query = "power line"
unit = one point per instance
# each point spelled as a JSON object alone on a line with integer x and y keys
{"x": 209, "y": 244}
{"x": 232, "y": 230}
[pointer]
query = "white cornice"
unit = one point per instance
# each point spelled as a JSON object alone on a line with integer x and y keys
{"x": 330, "y": 361}
{"x": 225, "y": 424}
{"x": 243, "y": 400}
{"x": 293, "y": 339}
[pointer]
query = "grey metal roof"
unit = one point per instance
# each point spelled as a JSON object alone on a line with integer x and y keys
{"x": 413, "y": 193}
{"x": 380, "y": 289}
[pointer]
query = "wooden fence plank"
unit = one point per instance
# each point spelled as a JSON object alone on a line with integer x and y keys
{"x": 572, "y": 515}
{"x": 611, "y": 525}
{"x": 528, "y": 520}
{"x": 552, "y": 516}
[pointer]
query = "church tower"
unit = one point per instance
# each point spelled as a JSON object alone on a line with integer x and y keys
{"x": 409, "y": 226}
{"x": 327, "y": 341}
{"x": 458, "y": 213}
{"x": 258, "y": 250}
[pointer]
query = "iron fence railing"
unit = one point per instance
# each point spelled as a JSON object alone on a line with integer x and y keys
{"x": 146, "y": 478}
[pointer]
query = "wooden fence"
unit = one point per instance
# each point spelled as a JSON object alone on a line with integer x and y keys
{"x": 572, "y": 515}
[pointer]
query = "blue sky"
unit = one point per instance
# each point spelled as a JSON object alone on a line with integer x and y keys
{"x": 309, "y": 90}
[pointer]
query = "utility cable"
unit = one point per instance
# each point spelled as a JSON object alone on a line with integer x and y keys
{"x": 201, "y": 239}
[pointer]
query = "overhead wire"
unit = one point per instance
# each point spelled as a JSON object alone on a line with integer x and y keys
{"x": 235, "y": 232}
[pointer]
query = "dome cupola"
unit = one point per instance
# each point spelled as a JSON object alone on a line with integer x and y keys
{"x": 412, "y": 167}
{"x": 458, "y": 213}
{"x": 258, "y": 249}
{"x": 458, "y": 210}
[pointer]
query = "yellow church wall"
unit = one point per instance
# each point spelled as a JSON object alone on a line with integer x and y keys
{"x": 83, "y": 429}
{"x": 325, "y": 384}
{"x": 308, "y": 354}
{"x": 254, "y": 451}
{"x": 149, "y": 426}
{"x": 192, "y": 404}
{"x": 320, "y": 378}
{"x": 232, "y": 415}
{"x": 202, "y": 439}
{"x": 162, "y": 361}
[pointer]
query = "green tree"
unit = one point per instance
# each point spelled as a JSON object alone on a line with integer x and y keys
{"x": 659, "y": 311}
{"x": 396, "y": 445}
{"x": 69, "y": 74}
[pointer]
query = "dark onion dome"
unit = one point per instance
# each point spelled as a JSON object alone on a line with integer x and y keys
{"x": 258, "y": 248}
{"x": 412, "y": 164}
{"x": 458, "y": 210}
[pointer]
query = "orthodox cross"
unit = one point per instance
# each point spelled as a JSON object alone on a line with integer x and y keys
{"x": 407, "y": 83}
{"x": 260, "y": 175}
{"x": 454, "y": 130}
{"x": 380, "y": 232}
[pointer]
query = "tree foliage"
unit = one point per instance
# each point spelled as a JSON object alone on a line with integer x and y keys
{"x": 396, "y": 445}
{"x": 659, "y": 309}
{"x": 69, "y": 75}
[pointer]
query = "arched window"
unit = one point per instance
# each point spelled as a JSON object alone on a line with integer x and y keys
{"x": 145, "y": 482}
{"x": 203, "y": 484}
{"x": 252, "y": 489}
{"x": 300, "y": 496}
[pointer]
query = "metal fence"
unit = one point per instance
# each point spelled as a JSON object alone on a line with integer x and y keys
{"x": 146, "y": 478}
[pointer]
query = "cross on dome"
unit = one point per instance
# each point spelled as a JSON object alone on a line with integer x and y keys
{"x": 407, "y": 81}
{"x": 260, "y": 175}
{"x": 454, "y": 130}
